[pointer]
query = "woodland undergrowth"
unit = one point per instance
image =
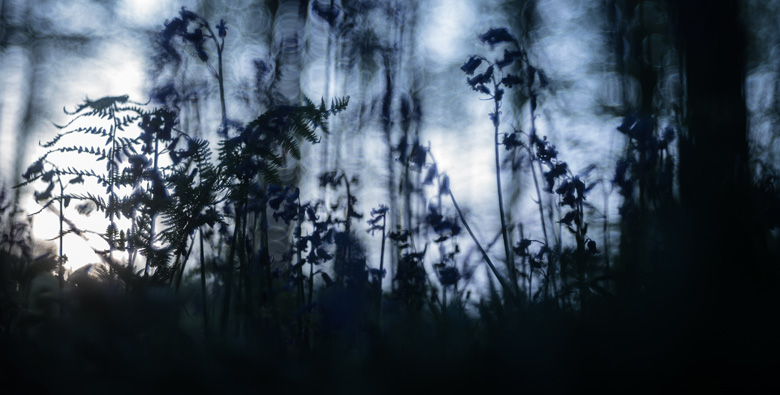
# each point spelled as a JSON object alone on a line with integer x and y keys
{"x": 191, "y": 294}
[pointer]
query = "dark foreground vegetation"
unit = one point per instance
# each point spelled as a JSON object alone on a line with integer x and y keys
{"x": 197, "y": 294}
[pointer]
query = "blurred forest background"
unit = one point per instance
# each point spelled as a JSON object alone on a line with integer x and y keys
{"x": 377, "y": 195}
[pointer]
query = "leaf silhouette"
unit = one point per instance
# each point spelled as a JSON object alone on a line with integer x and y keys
{"x": 511, "y": 80}
{"x": 571, "y": 216}
{"x": 471, "y": 65}
{"x": 480, "y": 79}
{"x": 592, "y": 247}
{"x": 496, "y": 36}
{"x": 222, "y": 28}
{"x": 508, "y": 59}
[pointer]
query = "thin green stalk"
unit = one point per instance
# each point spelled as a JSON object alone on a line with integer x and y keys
{"x": 606, "y": 233}
{"x": 242, "y": 258}
{"x": 152, "y": 216}
{"x": 203, "y": 285}
{"x": 184, "y": 265}
{"x": 299, "y": 271}
{"x": 557, "y": 237}
{"x": 311, "y": 283}
{"x": 220, "y": 45}
{"x": 530, "y": 268}
{"x": 536, "y": 183}
{"x": 581, "y": 255}
{"x": 541, "y": 209}
{"x": 504, "y": 230}
{"x": 381, "y": 270}
{"x": 551, "y": 273}
{"x": 348, "y": 221}
{"x": 307, "y": 334}
{"x": 60, "y": 269}
{"x": 489, "y": 262}
{"x": 112, "y": 174}
{"x": 265, "y": 258}
{"x": 239, "y": 296}
{"x": 222, "y": 89}
{"x": 299, "y": 285}
{"x": 345, "y": 254}
{"x": 229, "y": 278}
{"x": 324, "y": 162}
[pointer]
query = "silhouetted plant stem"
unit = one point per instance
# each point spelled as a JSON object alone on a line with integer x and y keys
{"x": 504, "y": 230}
{"x": 113, "y": 174}
{"x": 222, "y": 89}
{"x": 204, "y": 297}
{"x": 242, "y": 299}
{"x": 531, "y": 269}
{"x": 376, "y": 215}
{"x": 387, "y": 126}
{"x": 153, "y": 215}
{"x": 580, "y": 264}
{"x": 299, "y": 264}
{"x": 180, "y": 274}
{"x": 540, "y": 205}
{"x": 220, "y": 45}
{"x": 325, "y": 151}
{"x": 606, "y": 232}
{"x": 489, "y": 262}
{"x": 299, "y": 284}
{"x": 311, "y": 283}
{"x": 229, "y": 277}
{"x": 381, "y": 268}
{"x": 307, "y": 334}
{"x": 552, "y": 209}
{"x": 539, "y": 197}
{"x": 243, "y": 267}
{"x": 406, "y": 189}
{"x": 532, "y": 136}
{"x": 348, "y": 213}
{"x": 265, "y": 258}
{"x": 60, "y": 269}
{"x": 344, "y": 255}
{"x": 265, "y": 261}
{"x": 444, "y": 187}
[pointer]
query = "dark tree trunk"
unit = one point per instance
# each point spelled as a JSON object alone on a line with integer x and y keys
{"x": 715, "y": 180}
{"x": 726, "y": 286}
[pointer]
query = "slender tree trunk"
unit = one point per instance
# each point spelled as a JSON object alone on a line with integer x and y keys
{"x": 387, "y": 128}
{"x": 715, "y": 180}
{"x": 725, "y": 292}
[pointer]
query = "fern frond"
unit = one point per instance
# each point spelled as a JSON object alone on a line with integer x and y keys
{"x": 271, "y": 174}
{"x": 86, "y": 114}
{"x": 274, "y": 158}
{"x": 81, "y": 173}
{"x": 44, "y": 207}
{"x": 302, "y": 127}
{"x": 289, "y": 144}
{"x": 339, "y": 104}
{"x": 100, "y": 204}
{"x": 78, "y": 149}
{"x": 99, "y": 105}
{"x": 134, "y": 109}
{"x": 28, "y": 182}
{"x": 85, "y": 130}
